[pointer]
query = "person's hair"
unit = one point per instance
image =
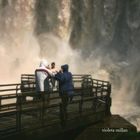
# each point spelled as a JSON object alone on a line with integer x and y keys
{"x": 53, "y": 63}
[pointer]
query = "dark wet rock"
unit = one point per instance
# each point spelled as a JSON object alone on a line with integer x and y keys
{"x": 112, "y": 128}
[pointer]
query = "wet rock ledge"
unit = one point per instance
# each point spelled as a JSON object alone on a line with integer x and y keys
{"x": 111, "y": 128}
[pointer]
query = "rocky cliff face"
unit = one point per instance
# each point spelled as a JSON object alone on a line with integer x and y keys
{"x": 106, "y": 32}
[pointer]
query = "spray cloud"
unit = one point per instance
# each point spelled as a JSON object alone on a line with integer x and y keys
{"x": 83, "y": 34}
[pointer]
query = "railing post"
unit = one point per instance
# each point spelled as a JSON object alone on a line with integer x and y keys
{"x": 102, "y": 86}
{"x": 18, "y": 113}
{"x": 0, "y": 102}
{"x": 108, "y": 101}
{"x": 43, "y": 107}
{"x": 95, "y": 100}
{"x": 62, "y": 115}
{"x": 80, "y": 106}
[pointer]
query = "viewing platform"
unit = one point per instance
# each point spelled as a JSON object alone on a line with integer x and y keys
{"x": 22, "y": 113}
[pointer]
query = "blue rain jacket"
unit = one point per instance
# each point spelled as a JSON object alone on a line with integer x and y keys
{"x": 65, "y": 81}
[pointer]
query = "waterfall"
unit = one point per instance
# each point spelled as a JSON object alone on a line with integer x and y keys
{"x": 100, "y": 37}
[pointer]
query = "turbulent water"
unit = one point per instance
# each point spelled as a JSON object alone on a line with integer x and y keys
{"x": 100, "y": 37}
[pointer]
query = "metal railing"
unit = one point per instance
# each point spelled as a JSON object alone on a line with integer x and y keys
{"x": 91, "y": 97}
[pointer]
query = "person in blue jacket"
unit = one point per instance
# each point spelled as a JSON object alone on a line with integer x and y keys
{"x": 66, "y": 87}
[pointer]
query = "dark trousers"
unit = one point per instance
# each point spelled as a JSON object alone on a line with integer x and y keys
{"x": 66, "y": 98}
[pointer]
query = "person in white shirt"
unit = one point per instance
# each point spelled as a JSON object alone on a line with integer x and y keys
{"x": 42, "y": 77}
{"x": 54, "y": 71}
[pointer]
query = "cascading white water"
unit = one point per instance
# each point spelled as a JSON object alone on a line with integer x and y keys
{"x": 99, "y": 37}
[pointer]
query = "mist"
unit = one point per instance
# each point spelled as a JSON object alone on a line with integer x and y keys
{"x": 97, "y": 37}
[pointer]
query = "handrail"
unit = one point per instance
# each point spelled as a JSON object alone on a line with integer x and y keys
{"x": 3, "y": 85}
{"x": 90, "y": 93}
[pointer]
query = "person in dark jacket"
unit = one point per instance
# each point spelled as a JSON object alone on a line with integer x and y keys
{"x": 66, "y": 87}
